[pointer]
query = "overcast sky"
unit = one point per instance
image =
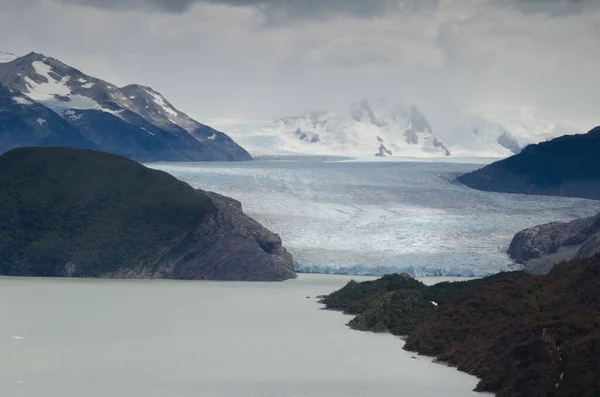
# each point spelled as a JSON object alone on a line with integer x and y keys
{"x": 265, "y": 59}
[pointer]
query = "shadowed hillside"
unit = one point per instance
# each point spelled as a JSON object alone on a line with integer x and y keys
{"x": 565, "y": 166}
{"x": 67, "y": 212}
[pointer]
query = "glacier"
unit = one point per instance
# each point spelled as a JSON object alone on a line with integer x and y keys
{"x": 373, "y": 218}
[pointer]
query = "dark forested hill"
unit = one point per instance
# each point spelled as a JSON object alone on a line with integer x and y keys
{"x": 524, "y": 336}
{"x": 566, "y": 166}
{"x": 68, "y": 212}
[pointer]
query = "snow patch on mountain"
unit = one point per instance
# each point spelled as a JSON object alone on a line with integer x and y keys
{"x": 54, "y": 92}
{"x": 21, "y": 100}
{"x": 160, "y": 101}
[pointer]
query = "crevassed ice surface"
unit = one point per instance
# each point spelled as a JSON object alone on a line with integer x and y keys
{"x": 373, "y": 218}
{"x": 143, "y": 338}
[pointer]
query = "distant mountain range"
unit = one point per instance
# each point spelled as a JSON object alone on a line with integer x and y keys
{"x": 48, "y": 103}
{"x": 381, "y": 128}
{"x": 565, "y": 166}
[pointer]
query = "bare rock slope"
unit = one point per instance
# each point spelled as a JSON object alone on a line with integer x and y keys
{"x": 541, "y": 247}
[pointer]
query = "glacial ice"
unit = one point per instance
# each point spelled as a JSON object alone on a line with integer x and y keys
{"x": 377, "y": 218}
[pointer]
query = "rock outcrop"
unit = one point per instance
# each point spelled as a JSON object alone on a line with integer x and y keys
{"x": 81, "y": 213}
{"x": 565, "y": 166}
{"x": 541, "y": 247}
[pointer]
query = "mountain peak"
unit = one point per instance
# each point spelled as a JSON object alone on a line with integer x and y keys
{"x": 30, "y": 65}
{"x": 137, "y": 87}
{"x": 32, "y": 57}
{"x": 34, "y": 54}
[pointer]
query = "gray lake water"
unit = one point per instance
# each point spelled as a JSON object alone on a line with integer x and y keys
{"x": 101, "y": 338}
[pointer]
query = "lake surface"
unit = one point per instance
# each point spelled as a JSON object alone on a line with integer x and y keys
{"x": 377, "y": 217}
{"x": 99, "y": 338}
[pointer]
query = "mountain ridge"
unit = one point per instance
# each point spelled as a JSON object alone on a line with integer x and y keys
{"x": 147, "y": 129}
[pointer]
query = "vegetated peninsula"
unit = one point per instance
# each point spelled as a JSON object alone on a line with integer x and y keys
{"x": 565, "y": 166}
{"x": 523, "y": 335}
{"x": 82, "y": 213}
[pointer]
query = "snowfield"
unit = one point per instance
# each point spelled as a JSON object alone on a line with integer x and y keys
{"x": 375, "y": 218}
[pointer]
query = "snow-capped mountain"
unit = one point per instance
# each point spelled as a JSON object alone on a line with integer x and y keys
{"x": 135, "y": 121}
{"x": 361, "y": 129}
{"x": 376, "y": 128}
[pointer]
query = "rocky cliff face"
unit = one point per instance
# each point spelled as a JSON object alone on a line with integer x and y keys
{"x": 541, "y": 247}
{"x": 227, "y": 245}
{"x": 565, "y": 166}
{"x": 81, "y": 213}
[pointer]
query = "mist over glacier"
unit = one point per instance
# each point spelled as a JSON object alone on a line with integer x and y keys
{"x": 380, "y": 217}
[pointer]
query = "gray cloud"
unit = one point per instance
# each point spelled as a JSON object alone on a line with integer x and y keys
{"x": 309, "y": 9}
{"x": 214, "y": 58}
{"x": 554, "y": 7}
{"x": 280, "y": 8}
